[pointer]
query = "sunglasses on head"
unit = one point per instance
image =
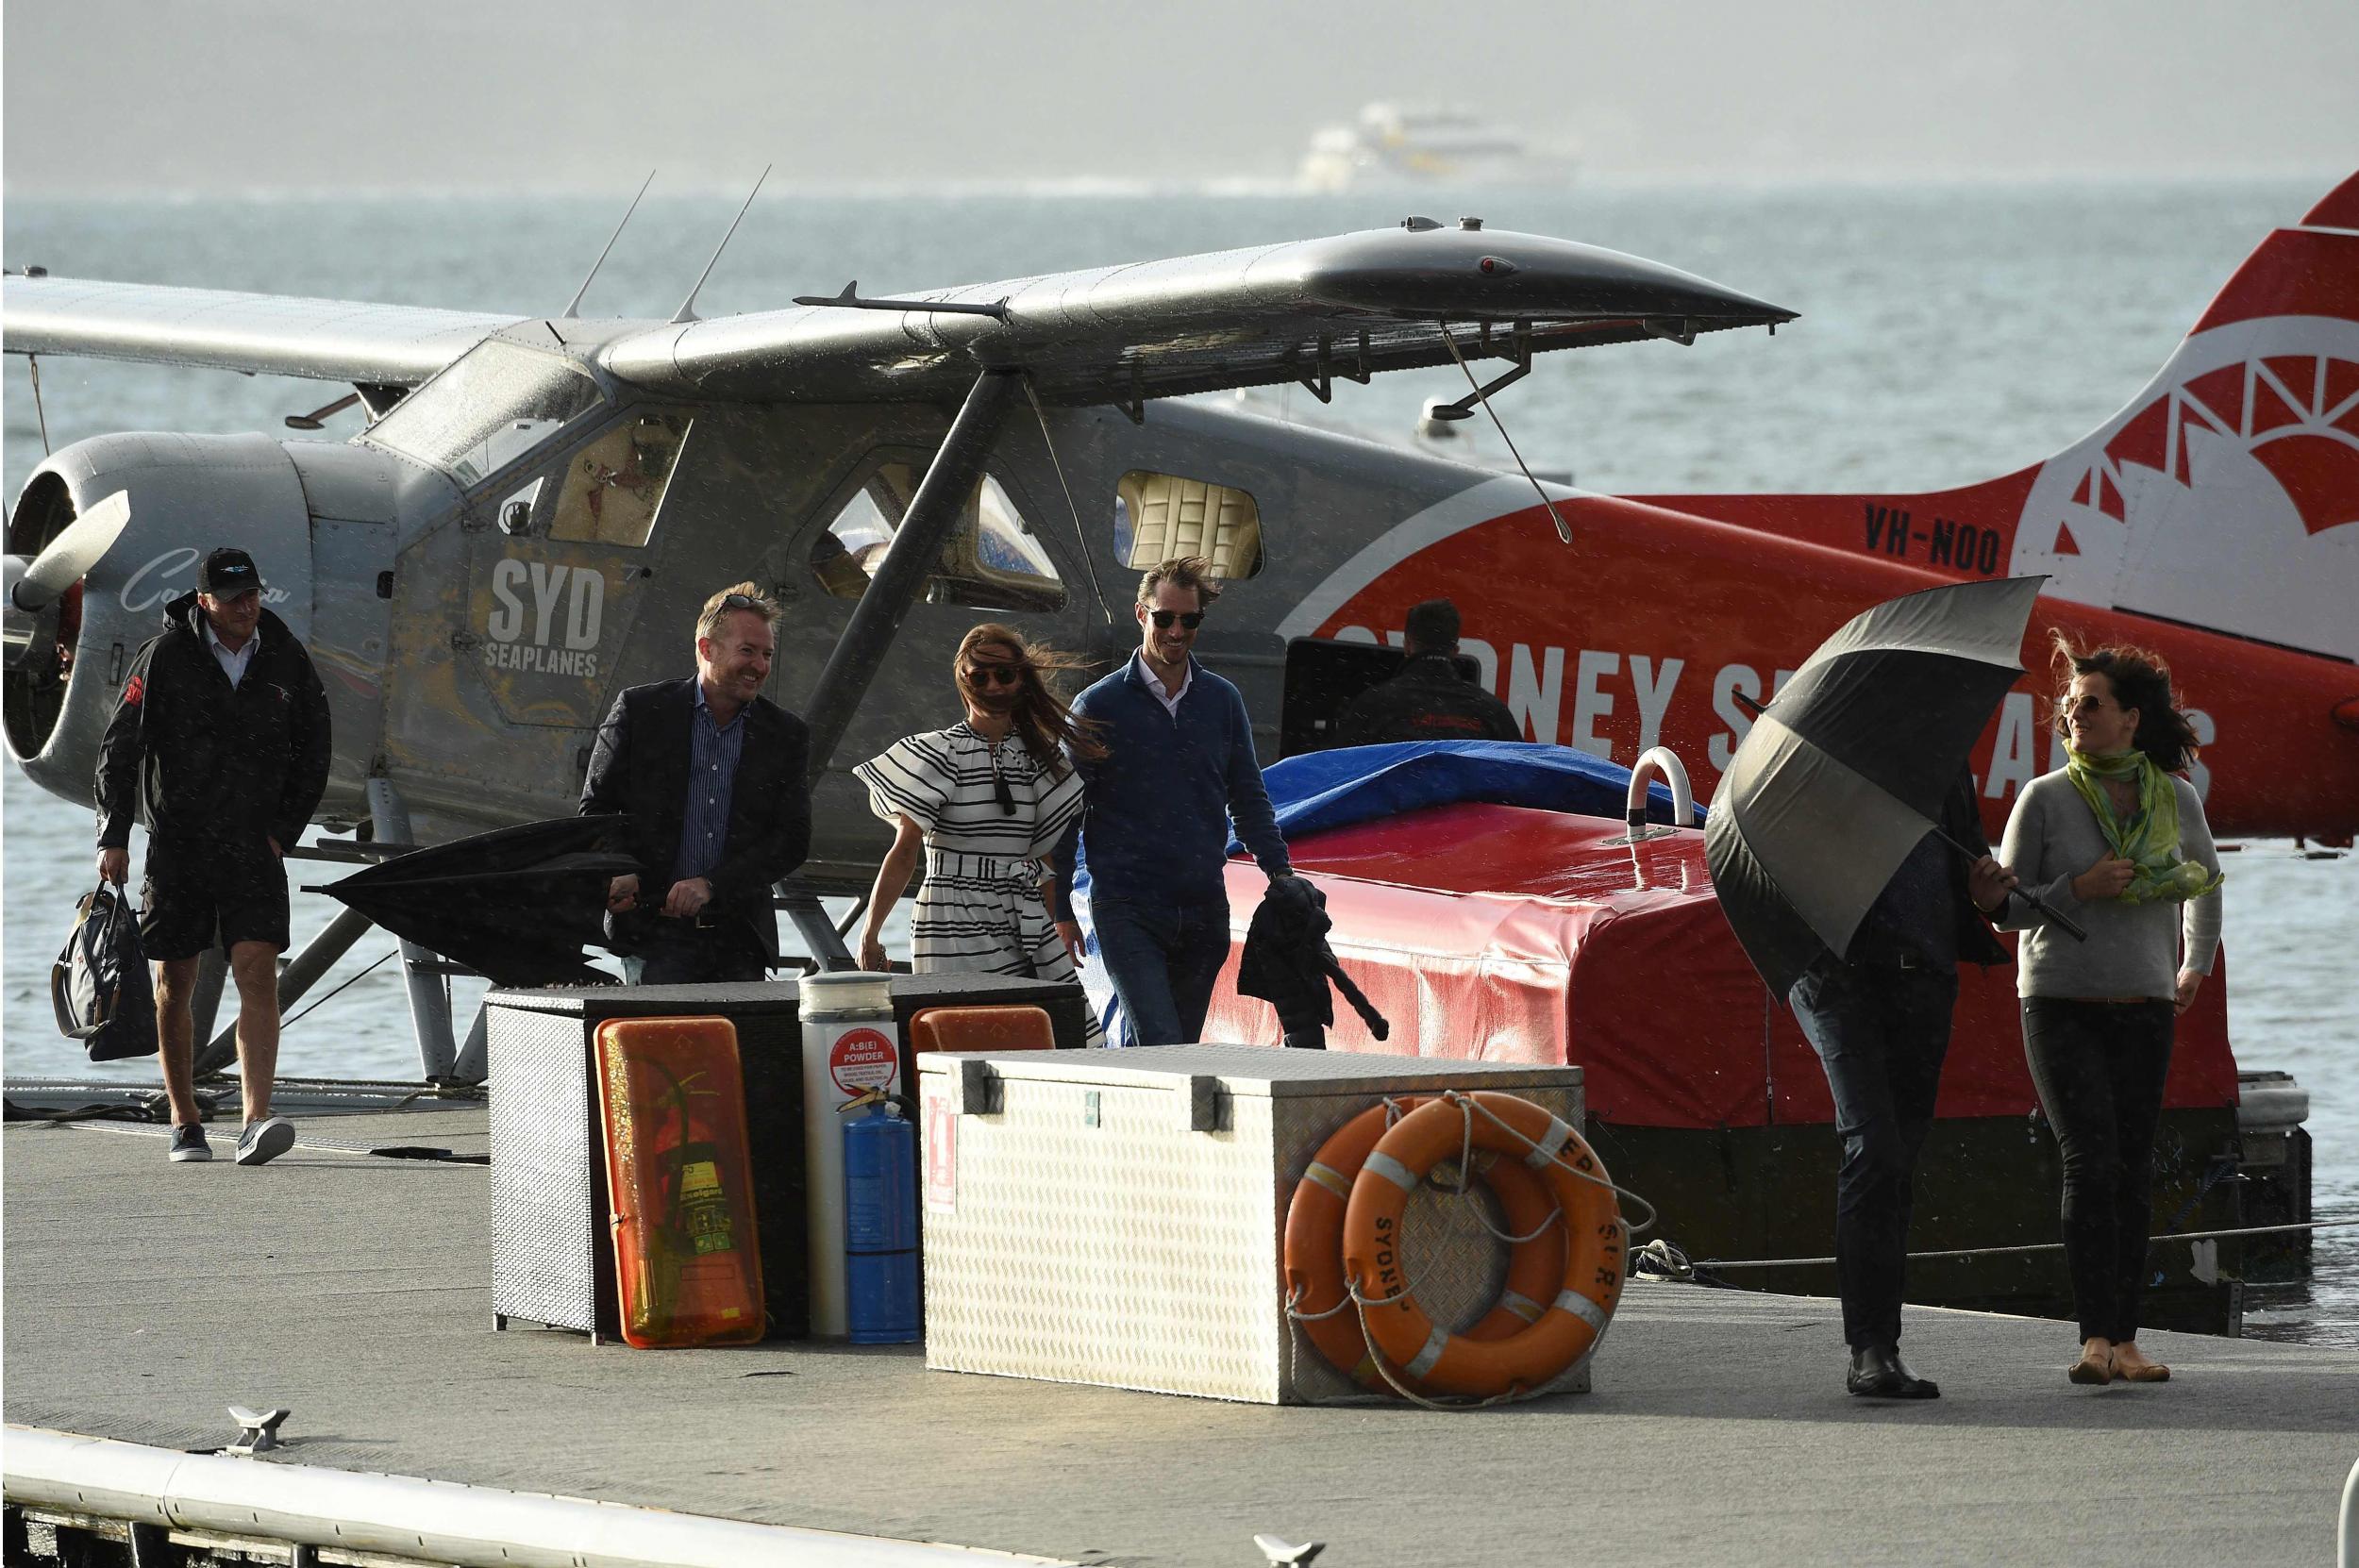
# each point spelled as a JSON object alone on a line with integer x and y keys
{"x": 740, "y": 601}
{"x": 1188, "y": 618}
{"x": 994, "y": 674}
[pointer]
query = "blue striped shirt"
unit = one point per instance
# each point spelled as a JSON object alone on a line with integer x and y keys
{"x": 712, "y": 752}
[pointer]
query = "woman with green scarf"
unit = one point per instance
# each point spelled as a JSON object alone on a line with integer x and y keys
{"x": 2116, "y": 840}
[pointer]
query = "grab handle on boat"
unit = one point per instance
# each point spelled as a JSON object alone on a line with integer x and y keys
{"x": 1665, "y": 761}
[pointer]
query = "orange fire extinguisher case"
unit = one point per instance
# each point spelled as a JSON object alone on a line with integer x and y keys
{"x": 678, "y": 1182}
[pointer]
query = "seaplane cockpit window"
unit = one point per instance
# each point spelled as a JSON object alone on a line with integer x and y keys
{"x": 615, "y": 485}
{"x": 1158, "y": 516}
{"x": 486, "y": 408}
{"x": 993, "y": 560}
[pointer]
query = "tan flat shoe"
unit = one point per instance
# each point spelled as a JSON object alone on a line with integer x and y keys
{"x": 2144, "y": 1372}
{"x": 2093, "y": 1370}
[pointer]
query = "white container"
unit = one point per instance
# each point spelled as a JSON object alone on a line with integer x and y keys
{"x": 850, "y": 1046}
{"x": 1118, "y": 1217}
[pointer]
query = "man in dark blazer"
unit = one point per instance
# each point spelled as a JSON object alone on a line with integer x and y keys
{"x": 713, "y": 777}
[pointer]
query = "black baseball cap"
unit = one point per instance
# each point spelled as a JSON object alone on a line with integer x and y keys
{"x": 226, "y": 574}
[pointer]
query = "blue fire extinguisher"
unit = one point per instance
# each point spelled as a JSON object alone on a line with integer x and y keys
{"x": 881, "y": 1263}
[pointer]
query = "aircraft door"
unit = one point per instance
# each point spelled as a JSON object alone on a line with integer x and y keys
{"x": 558, "y": 564}
{"x": 349, "y": 492}
{"x": 1005, "y": 563}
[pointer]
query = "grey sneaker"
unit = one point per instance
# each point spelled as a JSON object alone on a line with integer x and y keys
{"x": 187, "y": 1144}
{"x": 265, "y": 1141}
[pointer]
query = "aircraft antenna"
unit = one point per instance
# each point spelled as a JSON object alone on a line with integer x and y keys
{"x": 1563, "y": 534}
{"x": 1080, "y": 539}
{"x": 574, "y": 308}
{"x": 688, "y": 307}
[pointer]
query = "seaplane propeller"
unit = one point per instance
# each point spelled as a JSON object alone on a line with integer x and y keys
{"x": 33, "y": 588}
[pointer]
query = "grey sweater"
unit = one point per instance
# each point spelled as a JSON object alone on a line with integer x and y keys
{"x": 2133, "y": 949}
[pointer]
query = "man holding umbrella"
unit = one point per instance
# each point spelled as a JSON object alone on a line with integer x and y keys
{"x": 1850, "y": 860}
{"x": 1878, "y": 1017}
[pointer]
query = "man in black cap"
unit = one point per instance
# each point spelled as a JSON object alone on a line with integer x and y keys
{"x": 1428, "y": 700}
{"x": 220, "y": 747}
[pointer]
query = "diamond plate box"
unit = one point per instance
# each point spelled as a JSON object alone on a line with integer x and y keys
{"x": 1118, "y": 1217}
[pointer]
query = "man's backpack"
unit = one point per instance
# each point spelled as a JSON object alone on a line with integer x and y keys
{"x": 99, "y": 984}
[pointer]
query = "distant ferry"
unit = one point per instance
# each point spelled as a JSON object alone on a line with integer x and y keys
{"x": 1395, "y": 145}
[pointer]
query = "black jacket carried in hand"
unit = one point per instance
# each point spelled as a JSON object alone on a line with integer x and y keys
{"x": 639, "y": 768}
{"x": 198, "y": 761}
{"x": 1427, "y": 700}
{"x": 1287, "y": 964}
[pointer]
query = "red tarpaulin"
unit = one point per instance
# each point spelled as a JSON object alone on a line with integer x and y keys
{"x": 1508, "y": 934}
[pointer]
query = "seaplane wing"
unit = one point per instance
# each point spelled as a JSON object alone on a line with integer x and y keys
{"x": 1346, "y": 306}
{"x": 324, "y": 340}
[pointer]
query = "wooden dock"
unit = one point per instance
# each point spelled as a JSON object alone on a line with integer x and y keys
{"x": 142, "y": 1298}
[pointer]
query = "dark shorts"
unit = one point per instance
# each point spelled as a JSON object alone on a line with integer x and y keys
{"x": 195, "y": 896}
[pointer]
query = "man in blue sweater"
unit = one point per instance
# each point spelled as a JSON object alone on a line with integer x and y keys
{"x": 1178, "y": 767}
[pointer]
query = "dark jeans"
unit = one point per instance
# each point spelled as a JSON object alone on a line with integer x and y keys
{"x": 2099, "y": 1068}
{"x": 1162, "y": 959}
{"x": 675, "y": 953}
{"x": 1881, "y": 1034}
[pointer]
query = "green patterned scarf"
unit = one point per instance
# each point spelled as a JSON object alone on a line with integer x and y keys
{"x": 2151, "y": 836}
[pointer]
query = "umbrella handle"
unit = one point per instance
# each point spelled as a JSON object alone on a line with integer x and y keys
{"x": 2055, "y": 916}
{"x": 2062, "y": 921}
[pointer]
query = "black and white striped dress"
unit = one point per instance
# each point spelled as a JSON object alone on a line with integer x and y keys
{"x": 981, "y": 909}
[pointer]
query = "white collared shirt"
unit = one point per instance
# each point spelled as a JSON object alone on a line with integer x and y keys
{"x": 232, "y": 664}
{"x": 1154, "y": 683}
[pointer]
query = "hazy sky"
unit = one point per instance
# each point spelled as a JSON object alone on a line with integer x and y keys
{"x": 228, "y": 93}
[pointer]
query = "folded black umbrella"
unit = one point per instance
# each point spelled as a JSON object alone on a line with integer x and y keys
{"x": 517, "y": 903}
{"x": 1287, "y": 964}
{"x": 1844, "y": 774}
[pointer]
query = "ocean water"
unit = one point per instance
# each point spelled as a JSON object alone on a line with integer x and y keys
{"x": 1947, "y": 334}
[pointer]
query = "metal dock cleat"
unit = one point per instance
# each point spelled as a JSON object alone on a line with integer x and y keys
{"x": 258, "y": 1431}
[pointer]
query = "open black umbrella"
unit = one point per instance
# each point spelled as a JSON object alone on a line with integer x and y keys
{"x": 1844, "y": 772}
{"x": 516, "y": 904}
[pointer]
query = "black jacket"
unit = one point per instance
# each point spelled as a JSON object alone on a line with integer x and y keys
{"x": 1426, "y": 701}
{"x": 640, "y": 767}
{"x": 1287, "y": 964}
{"x": 1962, "y": 819}
{"x": 198, "y": 761}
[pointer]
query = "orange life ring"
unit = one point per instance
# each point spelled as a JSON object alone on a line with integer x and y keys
{"x": 1315, "y": 1263}
{"x": 1588, "y": 1287}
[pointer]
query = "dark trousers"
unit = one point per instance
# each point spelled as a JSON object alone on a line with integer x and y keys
{"x": 675, "y": 953}
{"x": 1881, "y": 1034}
{"x": 1162, "y": 959}
{"x": 2099, "y": 1068}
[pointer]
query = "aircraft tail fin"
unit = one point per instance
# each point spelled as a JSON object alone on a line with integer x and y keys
{"x": 2224, "y": 495}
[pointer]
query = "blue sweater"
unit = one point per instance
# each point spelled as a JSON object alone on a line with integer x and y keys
{"x": 1155, "y": 812}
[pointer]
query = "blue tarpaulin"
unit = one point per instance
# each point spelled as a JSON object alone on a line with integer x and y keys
{"x": 1334, "y": 789}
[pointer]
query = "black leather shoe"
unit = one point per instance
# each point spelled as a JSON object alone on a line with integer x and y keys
{"x": 1878, "y": 1372}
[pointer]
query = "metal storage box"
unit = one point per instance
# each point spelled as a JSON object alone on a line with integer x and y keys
{"x": 1118, "y": 1217}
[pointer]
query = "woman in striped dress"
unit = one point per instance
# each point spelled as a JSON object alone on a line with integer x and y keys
{"x": 985, "y": 802}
